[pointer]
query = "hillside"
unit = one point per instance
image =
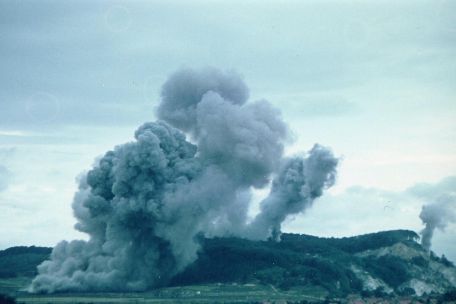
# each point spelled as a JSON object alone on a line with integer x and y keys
{"x": 389, "y": 262}
{"x": 21, "y": 261}
{"x": 385, "y": 262}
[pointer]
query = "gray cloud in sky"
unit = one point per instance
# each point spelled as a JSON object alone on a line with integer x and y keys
{"x": 97, "y": 74}
{"x": 321, "y": 105}
{"x": 429, "y": 191}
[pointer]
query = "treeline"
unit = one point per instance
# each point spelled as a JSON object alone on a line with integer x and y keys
{"x": 5, "y": 299}
{"x": 25, "y": 249}
{"x": 351, "y": 245}
{"x": 22, "y": 260}
{"x": 298, "y": 260}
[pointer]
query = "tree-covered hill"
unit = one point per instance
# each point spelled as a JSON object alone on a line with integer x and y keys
{"x": 376, "y": 263}
{"x": 22, "y": 260}
{"x": 299, "y": 260}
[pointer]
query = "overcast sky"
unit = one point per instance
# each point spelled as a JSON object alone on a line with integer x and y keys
{"x": 373, "y": 81}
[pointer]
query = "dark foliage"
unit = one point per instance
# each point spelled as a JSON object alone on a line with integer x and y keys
{"x": 420, "y": 261}
{"x": 377, "y": 240}
{"x": 446, "y": 262}
{"x": 22, "y": 260}
{"x": 407, "y": 292}
{"x": 297, "y": 260}
{"x": 449, "y": 296}
{"x": 392, "y": 270}
{"x": 4, "y": 299}
{"x": 25, "y": 250}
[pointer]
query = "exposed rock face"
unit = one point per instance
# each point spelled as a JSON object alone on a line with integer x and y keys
{"x": 429, "y": 274}
{"x": 370, "y": 283}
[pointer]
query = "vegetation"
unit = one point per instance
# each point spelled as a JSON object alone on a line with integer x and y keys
{"x": 392, "y": 270}
{"x": 449, "y": 296}
{"x": 22, "y": 260}
{"x": 297, "y": 262}
{"x": 4, "y": 299}
{"x": 209, "y": 293}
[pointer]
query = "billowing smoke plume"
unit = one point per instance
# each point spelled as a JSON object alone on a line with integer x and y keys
{"x": 437, "y": 215}
{"x": 298, "y": 183}
{"x": 440, "y": 209}
{"x": 144, "y": 203}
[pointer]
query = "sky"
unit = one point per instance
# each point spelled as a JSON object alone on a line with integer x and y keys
{"x": 375, "y": 81}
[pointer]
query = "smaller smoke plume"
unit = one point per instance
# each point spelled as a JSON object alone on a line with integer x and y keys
{"x": 299, "y": 182}
{"x": 440, "y": 209}
{"x": 437, "y": 215}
